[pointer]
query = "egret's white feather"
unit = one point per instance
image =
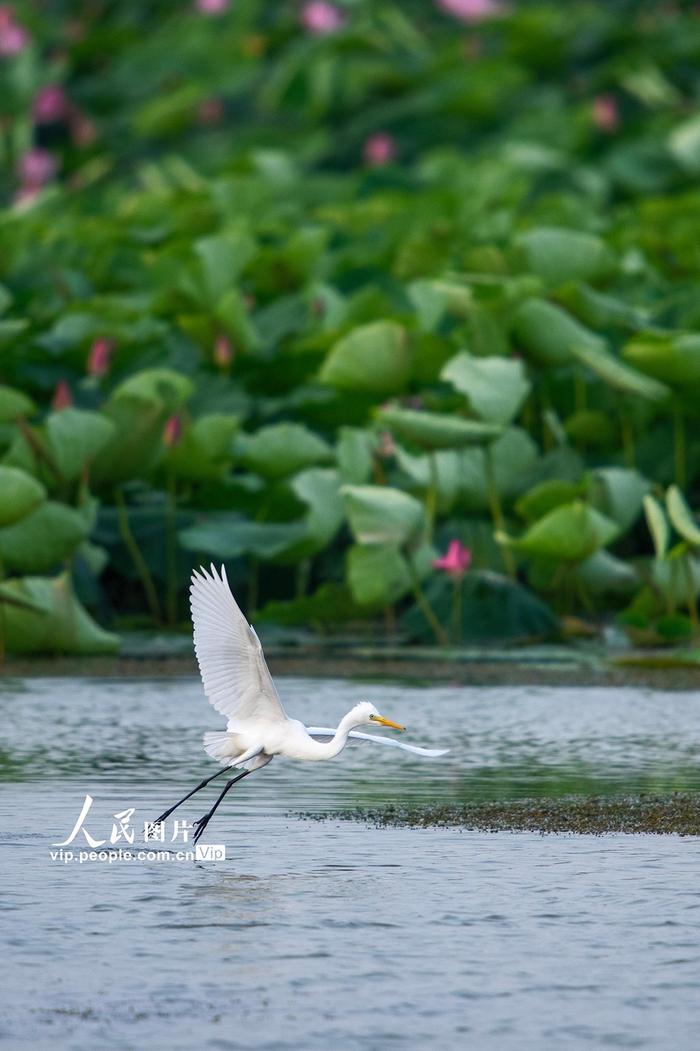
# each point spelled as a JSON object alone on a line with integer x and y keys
{"x": 218, "y": 744}
{"x": 225, "y": 749}
{"x": 238, "y": 684}
{"x": 230, "y": 657}
{"x": 428, "y": 753}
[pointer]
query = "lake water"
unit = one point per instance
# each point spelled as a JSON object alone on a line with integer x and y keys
{"x": 312, "y": 935}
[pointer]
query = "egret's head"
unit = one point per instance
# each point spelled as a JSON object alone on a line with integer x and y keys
{"x": 367, "y": 713}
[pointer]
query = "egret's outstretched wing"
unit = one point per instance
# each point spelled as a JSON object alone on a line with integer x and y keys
{"x": 428, "y": 753}
{"x": 230, "y": 657}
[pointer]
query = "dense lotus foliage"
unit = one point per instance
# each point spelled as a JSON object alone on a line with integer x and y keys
{"x": 391, "y": 307}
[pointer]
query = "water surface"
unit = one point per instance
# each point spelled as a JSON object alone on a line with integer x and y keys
{"x": 314, "y": 934}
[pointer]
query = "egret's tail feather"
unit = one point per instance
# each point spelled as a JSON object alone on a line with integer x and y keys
{"x": 221, "y": 746}
{"x": 226, "y": 749}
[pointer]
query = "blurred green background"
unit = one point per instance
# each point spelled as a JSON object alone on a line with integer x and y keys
{"x": 391, "y": 307}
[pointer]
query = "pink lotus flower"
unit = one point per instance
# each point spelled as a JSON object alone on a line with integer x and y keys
{"x": 51, "y": 105}
{"x": 606, "y": 116}
{"x": 379, "y": 149}
{"x": 457, "y": 560}
{"x": 99, "y": 357}
{"x": 320, "y": 18}
{"x": 173, "y": 432}
{"x": 36, "y": 167}
{"x": 13, "y": 37}
{"x": 223, "y": 352}
{"x": 212, "y": 7}
{"x": 62, "y": 397}
{"x": 473, "y": 10}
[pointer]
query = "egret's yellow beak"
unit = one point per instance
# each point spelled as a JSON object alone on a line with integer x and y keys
{"x": 387, "y": 722}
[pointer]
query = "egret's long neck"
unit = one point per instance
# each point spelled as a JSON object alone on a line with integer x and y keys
{"x": 331, "y": 748}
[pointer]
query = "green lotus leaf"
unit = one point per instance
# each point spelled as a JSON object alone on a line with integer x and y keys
{"x": 514, "y": 457}
{"x": 601, "y": 310}
{"x": 354, "y": 454}
{"x": 618, "y": 493}
{"x": 319, "y": 489}
{"x": 603, "y": 573}
{"x": 569, "y": 533}
{"x": 282, "y": 449}
{"x": 544, "y": 497}
{"x": 10, "y": 328}
{"x": 167, "y": 112}
{"x": 43, "y": 539}
{"x": 137, "y": 443}
{"x": 658, "y": 525}
{"x": 495, "y": 387}
{"x": 56, "y": 623}
{"x": 492, "y": 607}
{"x": 548, "y": 334}
{"x": 617, "y": 374}
{"x": 434, "y": 430}
{"x": 671, "y": 359}
{"x": 673, "y": 577}
{"x": 381, "y": 515}
{"x": 558, "y": 255}
{"x": 441, "y": 471}
{"x": 64, "y": 447}
{"x": 20, "y": 495}
{"x": 591, "y": 428}
{"x": 75, "y": 437}
{"x": 433, "y": 299}
{"x": 684, "y": 144}
{"x": 330, "y": 604}
{"x": 378, "y": 575}
{"x": 14, "y": 403}
{"x": 222, "y": 257}
{"x": 681, "y": 516}
{"x": 162, "y": 387}
{"x": 227, "y": 536}
{"x": 234, "y": 318}
{"x": 374, "y": 359}
{"x": 204, "y": 452}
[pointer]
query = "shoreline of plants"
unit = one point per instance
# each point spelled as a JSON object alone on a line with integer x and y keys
{"x": 446, "y": 386}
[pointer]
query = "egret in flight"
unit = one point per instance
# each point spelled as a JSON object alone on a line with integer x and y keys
{"x": 238, "y": 684}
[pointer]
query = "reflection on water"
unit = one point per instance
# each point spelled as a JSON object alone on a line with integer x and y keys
{"x": 313, "y": 934}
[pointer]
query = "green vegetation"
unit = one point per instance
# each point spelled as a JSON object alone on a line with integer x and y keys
{"x": 328, "y": 303}
{"x": 675, "y": 814}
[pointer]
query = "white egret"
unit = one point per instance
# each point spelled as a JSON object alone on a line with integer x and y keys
{"x": 238, "y": 684}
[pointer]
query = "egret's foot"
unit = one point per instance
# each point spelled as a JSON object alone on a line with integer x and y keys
{"x": 199, "y": 827}
{"x": 163, "y": 817}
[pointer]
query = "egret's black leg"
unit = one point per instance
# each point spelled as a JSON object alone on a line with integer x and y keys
{"x": 200, "y": 825}
{"x": 202, "y": 784}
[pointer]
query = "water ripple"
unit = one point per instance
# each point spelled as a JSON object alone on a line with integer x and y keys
{"x": 312, "y": 934}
